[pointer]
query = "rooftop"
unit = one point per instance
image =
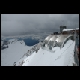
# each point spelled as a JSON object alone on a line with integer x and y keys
{"x": 67, "y": 29}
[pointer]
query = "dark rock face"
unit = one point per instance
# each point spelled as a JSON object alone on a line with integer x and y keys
{"x": 4, "y": 45}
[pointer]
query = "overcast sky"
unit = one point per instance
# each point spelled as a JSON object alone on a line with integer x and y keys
{"x": 14, "y": 24}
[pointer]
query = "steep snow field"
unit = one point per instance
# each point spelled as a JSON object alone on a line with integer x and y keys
{"x": 13, "y": 53}
{"x": 61, "y": 57}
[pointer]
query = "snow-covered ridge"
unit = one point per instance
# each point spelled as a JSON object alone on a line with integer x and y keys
{"x": 47, "y": 58}
{"x": 39, "y": 55}
{"x": 29, "y": 53}
{"x": 42, "y": 56}
{"x": 16, "y": 49}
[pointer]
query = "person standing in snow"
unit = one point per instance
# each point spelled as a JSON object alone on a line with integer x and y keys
{"x": 30, "y": 52}
{"x": 44, "y": 45}
{"x": 36, "y": 49}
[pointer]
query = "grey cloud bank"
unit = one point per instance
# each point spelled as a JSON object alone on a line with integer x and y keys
{"x": 14, "y": 24}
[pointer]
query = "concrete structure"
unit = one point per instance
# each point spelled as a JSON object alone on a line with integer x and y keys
{"x": 70, "y": 31}
{"x": 55, "y": 33}
{"x": 62, "y": 27}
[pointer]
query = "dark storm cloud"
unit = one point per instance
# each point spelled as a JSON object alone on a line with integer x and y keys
{"x": 27, "y": 23}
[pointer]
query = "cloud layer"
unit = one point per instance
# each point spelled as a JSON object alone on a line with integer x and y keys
{"x": 14, "y": 24}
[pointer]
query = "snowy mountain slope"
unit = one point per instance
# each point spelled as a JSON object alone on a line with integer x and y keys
{"x": 29, "y": 54}
{"x": 61, "y": 57}
{"x": 13, "y": 53}
{"x": 44, "y": 57}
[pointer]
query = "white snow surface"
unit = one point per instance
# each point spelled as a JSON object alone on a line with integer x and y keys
{"x": 57, "y": 57}
{"x": 67, "y": 29}
{"x": 5, "y": 45}
{"x": 13, "y": 53}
